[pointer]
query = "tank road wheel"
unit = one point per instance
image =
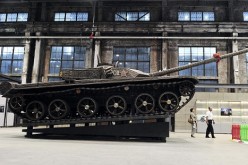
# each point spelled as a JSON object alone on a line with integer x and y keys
{"x": 16, "y": 103}
{"x": 86, "y": 107}
{"x": 144, "y": 103}
{"x": 116, "y": 105}
{"x": 35, "y": 110}
{"x": 186, "y": 88}
{"x": 58, "y": 109}
{"x": 168, "y": 101}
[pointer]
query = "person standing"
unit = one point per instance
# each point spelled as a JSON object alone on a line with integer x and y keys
{"x": 193, "y": 124}
{"x": 210, "y": 121}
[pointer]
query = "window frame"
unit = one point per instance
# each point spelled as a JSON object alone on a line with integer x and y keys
{"x": 52, "y": 73}
{"x": 64, "y": 19}
{"x": 17, "y": 17}
{"x": 128, "y": 58}
{"x": 14, "y": 61}
{"x": 139, "y": 16}
{"x": 190, "y": 16}
{"x": 204, "y": 66}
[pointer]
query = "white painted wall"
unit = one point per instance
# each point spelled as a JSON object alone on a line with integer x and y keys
{"x": 8, "y": 115}
{"x": 214, "y": 100}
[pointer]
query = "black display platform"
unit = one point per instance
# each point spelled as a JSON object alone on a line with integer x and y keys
{"x": 156, "y": 130}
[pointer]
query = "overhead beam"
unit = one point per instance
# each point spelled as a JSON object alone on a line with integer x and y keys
{"x": 236, "y": 86}
{"x": 123, "y": 37}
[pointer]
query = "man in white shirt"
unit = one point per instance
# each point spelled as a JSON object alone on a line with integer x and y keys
{"x": 209, "y": 121}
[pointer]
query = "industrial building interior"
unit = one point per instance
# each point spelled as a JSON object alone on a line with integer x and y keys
{"x": 41, "y": 38}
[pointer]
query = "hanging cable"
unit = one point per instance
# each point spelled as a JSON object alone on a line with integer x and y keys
{"x": 93, "y": 20}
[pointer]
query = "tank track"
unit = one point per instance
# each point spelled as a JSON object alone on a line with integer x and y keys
{"x": 185, "y": 91}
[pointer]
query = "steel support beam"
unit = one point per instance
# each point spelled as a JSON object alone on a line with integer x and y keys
{"x": 124, "y": 37}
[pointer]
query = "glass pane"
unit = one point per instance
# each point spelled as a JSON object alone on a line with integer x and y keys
{"x": 59, "y": 17}
{"x": 183, "y": 63}
{"x": 119, "y": 57}
{"x": 196, "y": 16}
{"x": 143, "y": 50}
{"x": 209, "y": 51}
{"x": 144, "y": 16}
{"x": 7, "y": 52}
{"x": 147, "y": 67}
{"x": 143, "y": 57}
{"x": 198, "y": 71}
{"x": 18, "y": 53}
{"x": 56, "y": 52}
{"x": 186, "y": 72}
{"x": 67, "y": 64}
{"x": 197, "y": 53}
{"x": 50, "y": 79}
{"x": 184, "y": 54}
{"x": 54, "y": 67}
{"x": 11, "y": 17}
{"x": 131, "y": 54}
{"x": 68, "y": 53}
{"x": 210, "y": 69}
{"x": 120, "y": 16}
{"x": 131, "y": 57}
{"x": 121, "y": 65}
{"x": 143, "y": 54}
{"x": 17, "y": 67}
{"x": 132, "y": 65}
{"x": 245, "y": 15}
{"x": 79, "y": 64}
{"x": 80, "y": 53}
{"x": 22, "y": 17}
{"x": 183, "y": 16}
{"x": 6, "y": 67}
{"x": 2, "y": 17}
{"x": 71, "y": 17}
{"x": 119, "y": 54}
{"x": 144, "y": 66}
{"x": 82, "y": 16}
{"x": 208, "y": 16}
{"x": 132, "y": 16}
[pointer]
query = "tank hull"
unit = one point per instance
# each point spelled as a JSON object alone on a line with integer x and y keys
{"x": 100, "y": 98}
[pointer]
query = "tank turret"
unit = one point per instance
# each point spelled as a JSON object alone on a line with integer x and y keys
{"x": 104, "y": 92}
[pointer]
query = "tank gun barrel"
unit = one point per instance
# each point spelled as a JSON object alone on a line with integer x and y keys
{"x": 9, "y": 78}
{"x": 176, "y": 69}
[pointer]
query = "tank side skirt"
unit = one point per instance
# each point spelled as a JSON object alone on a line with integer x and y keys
{"x": 38, "y": 89}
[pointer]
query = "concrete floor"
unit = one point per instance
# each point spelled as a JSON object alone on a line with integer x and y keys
{"x": 180, "y": 149}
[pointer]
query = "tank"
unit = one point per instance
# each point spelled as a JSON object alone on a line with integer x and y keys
{"x": 104, "y": 92}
